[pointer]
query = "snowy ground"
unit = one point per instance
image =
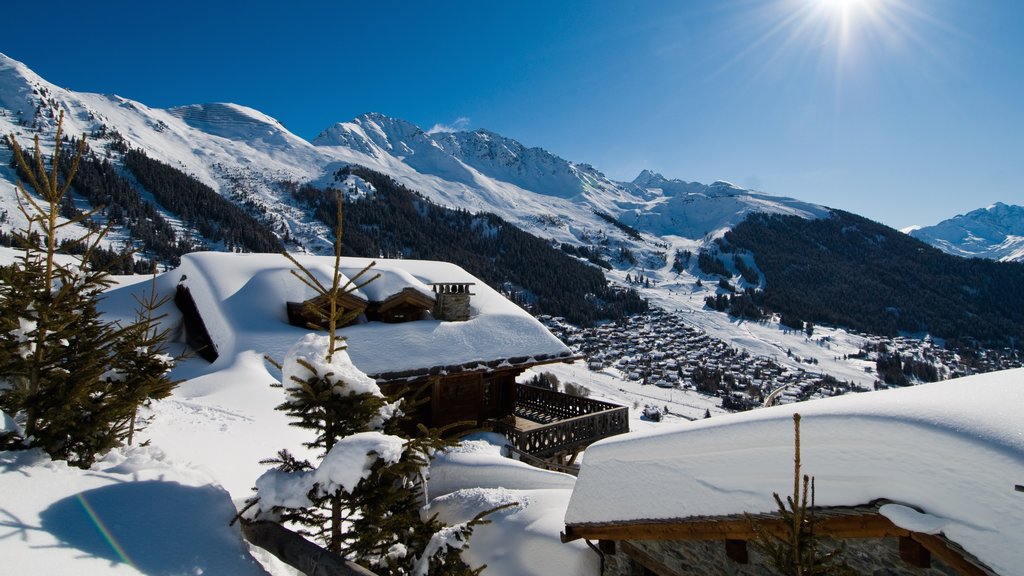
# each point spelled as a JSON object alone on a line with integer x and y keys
{"x": 165, "y": 508}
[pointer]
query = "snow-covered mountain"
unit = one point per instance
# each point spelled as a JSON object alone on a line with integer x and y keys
{"x": 995, "y": 232}
{"x": 246, "y": 155}
{"x": 694, "y": 210}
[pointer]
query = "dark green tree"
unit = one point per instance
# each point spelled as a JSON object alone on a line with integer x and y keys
{"x": 141, "y": 363}
{"x": 66, "y": 385}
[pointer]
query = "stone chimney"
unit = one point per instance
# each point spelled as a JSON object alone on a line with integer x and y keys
{"x": 451, "y": 301}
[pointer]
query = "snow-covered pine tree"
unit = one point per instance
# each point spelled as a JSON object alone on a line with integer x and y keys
{"x": 57, "y": 354}
{"x": 364, "y": 497}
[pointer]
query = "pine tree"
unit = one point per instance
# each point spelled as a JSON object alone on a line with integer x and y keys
{"x": 66, "y": 385}
{"x": 796, "y": 550}
{"x": 141, "y": 363}
{"x": 374, "y": 517}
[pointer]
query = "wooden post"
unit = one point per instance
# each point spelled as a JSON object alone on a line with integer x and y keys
{"x": 913, "y": 553}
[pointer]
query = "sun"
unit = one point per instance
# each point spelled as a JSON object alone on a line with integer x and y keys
{"x": 850, "y": 25}
{"x": 847, "y": 41}
{"x": 850, "y": 9}
{"x": 843, "y": 4}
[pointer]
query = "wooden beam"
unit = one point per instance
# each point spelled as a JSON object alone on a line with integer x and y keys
{"x": 736, "y": 550}
{"x": 299, "y": 553}
{"x": 606, "y": 547}
{"x": 646, "y": 560}
{"x": 954, "y": 558}
{"x": 840, "y": 527}
{"x": 914, "y": 553}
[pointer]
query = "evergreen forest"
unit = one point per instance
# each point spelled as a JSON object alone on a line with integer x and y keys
{"x": 200, "y": 207}
{"x": 850, "y": 271}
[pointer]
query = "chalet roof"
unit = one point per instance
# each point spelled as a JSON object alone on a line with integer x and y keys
{"x": 410, "y": 296}
{"x": 390, "y": 283}
{"x": 952, "y": 450}
{"x": 241, "y": 300}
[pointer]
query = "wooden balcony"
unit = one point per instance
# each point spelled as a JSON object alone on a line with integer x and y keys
{"x": 549, "y": 424}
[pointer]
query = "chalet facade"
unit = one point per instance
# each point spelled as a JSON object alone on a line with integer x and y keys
{"x": 920, "y": 480}
{"x": 869, "y": 543}
{"x": 426, "y": 327}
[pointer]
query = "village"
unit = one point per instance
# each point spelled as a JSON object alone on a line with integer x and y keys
{"x": 664, "y": 349}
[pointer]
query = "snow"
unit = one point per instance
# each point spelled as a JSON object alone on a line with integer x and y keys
{"x": 135, "y": 512}
{"x": 168, "y": 506}
{"x": 950, "y": 461}
{"x": 241, "y": 298}
{"x": 478, "y": 463}
{"x": 907, "y": 517}
{"x": 348, "y": 462}
{"x": 911, "y": 446}
{"x": 952, "y": 450}
{"x": 308, "y": 359}
{"x": 522, "y": 539}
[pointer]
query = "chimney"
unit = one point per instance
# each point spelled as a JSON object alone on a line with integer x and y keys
{"x": 451, "y": 302}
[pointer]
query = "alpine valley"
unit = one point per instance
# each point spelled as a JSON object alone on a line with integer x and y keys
{"x": 774, "y": 277}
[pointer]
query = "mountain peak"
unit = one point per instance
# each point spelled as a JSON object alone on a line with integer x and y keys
{"x": 647, "y": 178}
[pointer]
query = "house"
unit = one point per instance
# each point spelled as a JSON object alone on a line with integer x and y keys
{"x": 421, "y": 327}
{"x": 923, "y": 480}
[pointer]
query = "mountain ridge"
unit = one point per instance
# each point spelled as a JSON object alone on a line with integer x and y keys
{"x": 995, "y": 232}
{"x": 643, "y": 234}
{"x": 242, "y": 152}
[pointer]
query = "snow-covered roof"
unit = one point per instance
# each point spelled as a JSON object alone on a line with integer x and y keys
{"x": 953, "y": 450}
{"x": 241, "y": 298}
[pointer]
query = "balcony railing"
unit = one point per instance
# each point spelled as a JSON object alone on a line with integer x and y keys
{"x": 560, "y": 423}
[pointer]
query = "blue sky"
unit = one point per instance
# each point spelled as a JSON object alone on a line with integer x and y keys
{"x": 904, "y": 111}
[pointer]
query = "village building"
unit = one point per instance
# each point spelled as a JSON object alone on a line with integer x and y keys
{"x": 427, "y": 329}
{"x": 924, "y": 481}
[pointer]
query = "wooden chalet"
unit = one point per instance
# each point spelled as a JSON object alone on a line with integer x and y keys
{"x": 869, "y": 541}
{"x": 916, "y": 481}
{"x": 419, "y": 330}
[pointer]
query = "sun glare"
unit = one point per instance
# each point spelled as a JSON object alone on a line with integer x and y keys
{"x": 852, "y": 31}
{"x": 849, "y": 42}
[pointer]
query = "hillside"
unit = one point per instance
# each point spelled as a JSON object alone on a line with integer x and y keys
{"x": 227, "y": 177}
{"x": 853, "y": 272}
{"x": 393, "y": 221}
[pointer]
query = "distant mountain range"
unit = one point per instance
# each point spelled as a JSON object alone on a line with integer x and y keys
{"x": 996, "y": 233}
{"x": 242, "y": 152}
{"x": 651, "y": 228}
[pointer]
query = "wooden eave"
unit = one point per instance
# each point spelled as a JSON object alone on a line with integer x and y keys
{"x": 407, "y": 296}
{"x": 867, "y": 525}
{"x": 487, "y": 367}
{"x": 838, "y": 523}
